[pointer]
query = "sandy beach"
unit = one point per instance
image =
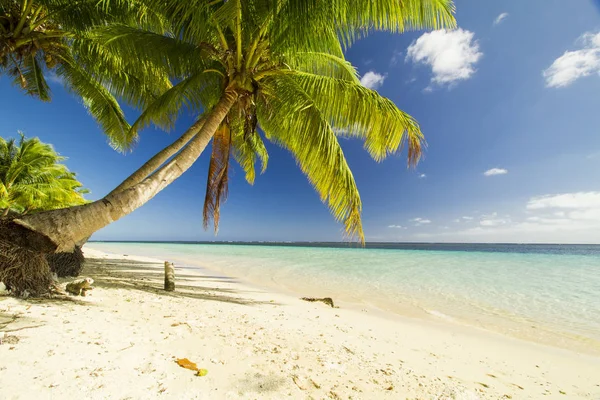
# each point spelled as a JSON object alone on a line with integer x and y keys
{"x": 122, "y": 342}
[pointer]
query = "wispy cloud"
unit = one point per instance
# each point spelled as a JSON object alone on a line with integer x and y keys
{"x": 495, "y": 171}
{"x": 463, "y": 219}
{"x": 579, "y": 200}
{"x": 396, "y": 58}
{"x": 372, "y": 80}
{"x": 500, "y": 18}
{"x": 396, "y": 226}
{"x": 575, "y": 64}
{"x": 552, "y": 218}
{"x": 420, "y": 221}
{"x": 452, "y": 55}
{"x": 422, "y": 176}
{"x": 493, "y": 220}
{"x": 593, "y": 155}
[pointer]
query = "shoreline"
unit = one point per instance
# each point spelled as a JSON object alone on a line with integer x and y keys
{"x": 511, "y": 325}
{"x": 121, "y": 342}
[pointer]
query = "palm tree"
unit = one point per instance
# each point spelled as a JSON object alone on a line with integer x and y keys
{"x": 32, "y": 178}
{"x": 246, "y": 67}
{"x": 48, "y": 37}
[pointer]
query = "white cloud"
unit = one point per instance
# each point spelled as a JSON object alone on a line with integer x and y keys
{"x": 422, "y": 176}
{"x": 396, "y": 226}
{"x": 372, "y": 80}
{"x": 553, "y": 218}
{"x": 494, "y": 222}
{"x": 451, "y": 55}
{"x": 457, "y": 220}
{"x": 467, "y": 218}
{"x": 580, "y": 200}
{"x": 495, "y": 171}
{"x": 576, "y": 64}
{"x": 420, "y": 221}
{"x": 500, "y": 18}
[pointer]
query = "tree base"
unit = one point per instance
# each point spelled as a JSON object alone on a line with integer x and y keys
{"x": 24, "y": 269}
{"x": 66, "y": 264}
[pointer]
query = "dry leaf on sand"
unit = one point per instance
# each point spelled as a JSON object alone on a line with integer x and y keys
{"x": 185, "y": 363}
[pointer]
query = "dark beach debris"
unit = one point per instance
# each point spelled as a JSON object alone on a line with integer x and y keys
{"x": 326, "y": 300}
{"x": 485, "y": 385}
{"x": 296, "y": 380}
{"x": 9, "y": 339}
{"x": 79, "y": 287}
{"x": 182, "y": 323}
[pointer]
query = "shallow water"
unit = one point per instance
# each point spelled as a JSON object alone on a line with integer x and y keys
{"x": 545, "y": 293}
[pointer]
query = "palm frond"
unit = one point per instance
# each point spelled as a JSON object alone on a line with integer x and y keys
{"x": 291, "y": 119}
{"x": 325, "y": 64}
{"x": 198, "y": 91}
{"x": 100, "y": 103}
{"x": 179, "y": 57}
{"x": 247, "y": 148}
{"x": 355, "y": 18}
{"x": 33, "y": 76}
{"x": 356, "y": 111}
{"x": 218, "y": 176}
{"x": 135, "y": 81}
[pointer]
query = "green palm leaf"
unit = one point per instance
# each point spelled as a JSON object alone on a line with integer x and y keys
{"x": 355, "y": 111}
{"x": 290, "y": 118}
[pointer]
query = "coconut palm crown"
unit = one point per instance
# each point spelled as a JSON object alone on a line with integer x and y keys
{"x": 33, "y": 178}
{"x": 262, "y": 72}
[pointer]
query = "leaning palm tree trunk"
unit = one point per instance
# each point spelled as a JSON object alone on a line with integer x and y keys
{"x": 159, "y": 158}
{"x": 60, "y": 230}
{"x": 155, "y": 163}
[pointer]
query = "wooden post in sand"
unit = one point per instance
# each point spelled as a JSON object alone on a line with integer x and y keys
{"x": 169, "y": 276}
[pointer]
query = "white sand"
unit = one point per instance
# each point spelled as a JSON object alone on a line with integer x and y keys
{"x": 121, "y": 343}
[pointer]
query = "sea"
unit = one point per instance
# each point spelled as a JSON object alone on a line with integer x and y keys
{"x": 547, "y": 293}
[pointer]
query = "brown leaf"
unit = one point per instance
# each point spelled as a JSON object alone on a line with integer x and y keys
{"x": 217, "y": 181}
{"x": 185, "y": 363}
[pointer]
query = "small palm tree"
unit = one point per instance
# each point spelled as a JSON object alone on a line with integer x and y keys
{"x": 32, "y": 178}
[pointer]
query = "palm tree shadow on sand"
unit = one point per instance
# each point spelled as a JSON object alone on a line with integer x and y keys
{"x": 148, "y": 277}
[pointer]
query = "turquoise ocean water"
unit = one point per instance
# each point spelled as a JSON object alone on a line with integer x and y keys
{"x": 545, "y": 293}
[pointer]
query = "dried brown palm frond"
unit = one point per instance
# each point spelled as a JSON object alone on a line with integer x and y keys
{"x": 218, "y": 171}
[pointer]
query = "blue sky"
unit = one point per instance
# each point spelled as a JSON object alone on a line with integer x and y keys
{"x": 509, "y": 104}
